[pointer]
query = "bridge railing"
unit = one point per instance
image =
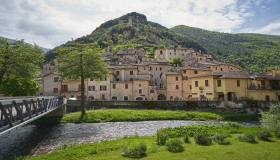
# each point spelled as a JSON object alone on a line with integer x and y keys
{"x": 14, "y": 111}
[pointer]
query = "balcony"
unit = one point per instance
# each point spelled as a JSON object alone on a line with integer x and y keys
{"x": 262, "y": 87}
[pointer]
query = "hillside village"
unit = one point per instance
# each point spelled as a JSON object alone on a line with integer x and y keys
{"x": 198, "y": 76}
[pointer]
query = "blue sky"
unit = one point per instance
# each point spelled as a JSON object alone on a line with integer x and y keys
{"x": 50, "y": 23}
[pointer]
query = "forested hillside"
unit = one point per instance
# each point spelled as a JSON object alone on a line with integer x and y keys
{"x": 254, "y": 52}
{"x": 131, "y": 31}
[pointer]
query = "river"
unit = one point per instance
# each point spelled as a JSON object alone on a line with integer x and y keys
{"x": 32, "y": 140}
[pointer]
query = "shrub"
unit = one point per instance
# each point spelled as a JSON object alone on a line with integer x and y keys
{"x": 175, "y": 145}
{"x": 138, "y": 151}
{"x": 271, "y": 120}
{"x": 186, "y": 139}
{"x": 162, "y": 137}
{"x": 247, "y": 138}
{"x": 277, "y": 134}
{"x": 220, "y": 139}
{"x": 202, "y": 139}
{"x": 264, "y": 135}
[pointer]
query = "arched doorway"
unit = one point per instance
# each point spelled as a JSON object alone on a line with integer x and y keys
{"x": 139, "y": 98}
{"x": 161, "y": 97}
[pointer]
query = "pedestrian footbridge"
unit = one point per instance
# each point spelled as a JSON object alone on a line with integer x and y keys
{"x": 18, "y": 111}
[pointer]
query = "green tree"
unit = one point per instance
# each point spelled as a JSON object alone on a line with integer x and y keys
{"x": 271, "y": 119}
{"x": 16, "y": 86}
{"x": 80, "y": 62}
{"x": 176, "y": 61}
{"x": 19, "y": 63}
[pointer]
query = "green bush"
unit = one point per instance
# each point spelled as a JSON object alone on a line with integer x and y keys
{"x": 277, "y": 134}
{"x": 138, "y": 151}
{"x": 202, "y": 139}
{"x": 162, "y": 137}
{"x": 186, "y": 139}
{"x": 220, "y": 139}
{"x": 247, "y": 138}
{"x": 271, "y": 120}
{"x": 175, "y": 145}
{"x": 264, "y": 135}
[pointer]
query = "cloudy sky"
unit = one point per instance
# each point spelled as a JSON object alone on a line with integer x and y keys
{"x": 49, "y": 23}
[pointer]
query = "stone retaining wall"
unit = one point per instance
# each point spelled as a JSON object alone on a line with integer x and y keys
{"x": 238, "y": 106}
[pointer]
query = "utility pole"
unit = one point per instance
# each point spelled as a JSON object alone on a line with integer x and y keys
{"x": 83, "y": 110}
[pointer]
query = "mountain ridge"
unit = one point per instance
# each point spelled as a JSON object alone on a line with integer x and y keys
{"x": 253, "y": 52}
{"x": 45, "y": 50}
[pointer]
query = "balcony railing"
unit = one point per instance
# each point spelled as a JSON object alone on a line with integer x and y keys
{"x": 254, "y": 87}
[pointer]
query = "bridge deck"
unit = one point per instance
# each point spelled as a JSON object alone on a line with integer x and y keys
{"x": 15, "y": 112}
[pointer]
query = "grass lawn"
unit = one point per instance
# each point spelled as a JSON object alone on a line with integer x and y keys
{"x": 111, "y": 150}
{"x": 118, "y": 115}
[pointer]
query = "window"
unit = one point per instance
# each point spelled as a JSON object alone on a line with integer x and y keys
{"x": 89, "y": 88}
{"x": 114, "y": 98}
{"x": 160, "y": 52}
{"x": 262, "y": 83}
{"x": 125, "y": 98}
{"x": 117, "y": 72}
{"x": 114, "y": 86}
{"x": 190, "y": 86}
{"x": 152, "y": 91}
{"x": 126, "y": 86}
{"x": 131, "y": 79}
{"x": 206, "y": 83}
{"x": 160, "y": 68}
{"x": 139, "y": 85}
{"x": 55, "y": 90}
{"x": 103, "y": 88}
{"x": 196, "y": 83}
{"x": 195, "y": 72}
{"x": 267, "y": 98}
{"x": 185, "y": 71}
{"x": 221, "y": 69}
{"x": 177, "y": 86}
{"x": 177, "y": 78}
{"x": 219, "y": 83}
{"x": 140, "y": 91}
{"x": 238, "y": 83}
{"x": 150, "y": 68}
{"x": 93, "y": 88}
{"x": 55, "y": 79}
{"x": 216, "y": 68}
{"x": 103, "y": 97}
{"x": 64, "y": 88}
{"x": 131, "y": 72}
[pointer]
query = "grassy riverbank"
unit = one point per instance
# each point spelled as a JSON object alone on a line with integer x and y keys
{"x": 119, "y": 115}
{"x": 236, "y": 150}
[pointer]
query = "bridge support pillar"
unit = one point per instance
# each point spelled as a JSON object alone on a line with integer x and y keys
{"x": 59, "y": 112}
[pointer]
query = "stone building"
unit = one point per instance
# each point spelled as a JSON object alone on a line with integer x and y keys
{"x": 132, "y": 76}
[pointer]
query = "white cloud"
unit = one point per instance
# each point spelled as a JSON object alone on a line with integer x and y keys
{"x": 271, "y": 28}
{"x": 52, "y": 22}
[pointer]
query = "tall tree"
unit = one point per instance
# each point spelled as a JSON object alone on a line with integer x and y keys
{"x": 19, "y": 62}
{"x": 80, "y": 62}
